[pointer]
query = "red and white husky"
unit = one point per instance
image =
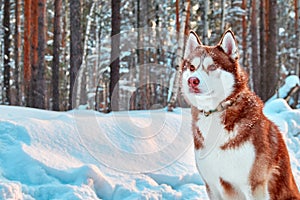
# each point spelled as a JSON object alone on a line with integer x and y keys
{"x": 240, "y": 154}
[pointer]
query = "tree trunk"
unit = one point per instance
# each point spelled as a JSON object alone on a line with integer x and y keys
{"x": 187, "y": 18}
{"x": 271, "y": 66}
{"x": 64, "y": 85}
{"x": 141, "y": 103}
{"x": 255, "y": 72}
{"x": 297, "y": 45}
{"x": 56, "y": 52}
{"x": 76, "y": 46}
{"x": 177, "y": 19}
{"x": 262, "y": 45}
{"x": 6, "y": 25}
{"x": 205, "y": 22}
{"x": 267, "y": 20}
{"x": 115, "y": 55}
{"x": 34, "y": 54}
{"x": 244, "y": 36}
{"x": 223, "y": 12}
{"x": 82, "y": 79}
{"x": 297, "y": 33}
{"x": 181, "y": 35}
{"x": 99, "y": 102}
{"x": 172, "y": 89}
{"x": 27, "y": 52}
{"x": 39, "y": 82}
{"x": 17, "y": 52}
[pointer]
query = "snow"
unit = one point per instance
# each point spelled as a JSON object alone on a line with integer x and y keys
{"x": 88, "y": 155}
{"x": 290, "y": 82}
{"x": 84, "y": 154}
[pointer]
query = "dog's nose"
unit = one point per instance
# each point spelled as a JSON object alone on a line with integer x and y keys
{"x": 193, "y": 81}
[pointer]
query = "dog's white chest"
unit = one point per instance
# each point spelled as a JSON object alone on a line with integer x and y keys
{"x": 232, "y": 165}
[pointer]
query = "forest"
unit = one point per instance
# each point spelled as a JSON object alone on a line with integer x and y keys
{"x": 125, "y": 55}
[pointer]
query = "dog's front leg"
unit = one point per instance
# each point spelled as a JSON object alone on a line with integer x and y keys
{"x": 212, "y": 194}
{"x": 261, "y": 192}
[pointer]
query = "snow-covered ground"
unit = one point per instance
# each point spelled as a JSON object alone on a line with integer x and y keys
{"x": 122, "y": 155}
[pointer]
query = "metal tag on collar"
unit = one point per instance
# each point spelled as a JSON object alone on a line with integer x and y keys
{"x": 206, "y": 114}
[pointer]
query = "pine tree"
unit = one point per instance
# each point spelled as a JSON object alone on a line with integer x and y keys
{"x": 297, "y": 46}
{"x": 56, "y": 53}
{"x": 64, "y": 79}
{"x": 181, "y": 35}
{"x": 244, "y": 37}
{"x": 27, "y": 52}
{"x": 180, "y": 39}
{"x": 262, "y": 45}
{"x": 115, "y": 53}
{"x": 271, "y": 51}
{"x": 223, "y": 13}
{"x": 205, "y": 22}
{"x": 255, "y": 72}
{"x": 17, "y": 52}
{"x": 6, "y": 25}
{"x": 75, "y": 46}
{"x": 34, "y": 53}
{"x": 40, "y": 88}
{"x": 297, "y": 32}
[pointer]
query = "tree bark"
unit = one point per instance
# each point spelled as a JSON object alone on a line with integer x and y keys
{"x": 175, "y": 83}
{"x": 115, "y": 53}
{"x": 297, "y": 32}
{"x": 177, "y": 18}
{"x": 223, "y": 12}
{"x": 27, "y": 52}
{"x": 17, "y": 52}
{"x": 187, "y": 18}
{"x": 262, "y": 45}
{"x": 83, "y": 83}
{"x": 6, "y": 25}
{"x": 271, "y": 51}
{"x": 297, "y": 45}
{"x": 205, "y": 22}
{"x": 181, "y": 35}
{"x": 65, "y": 60}
{"x": 34, "y": 54}
{"x": 141, "y": 95}
{"x": 255, "y": 72}
{"x": 38, "y": 84}
{"x": 244, "y": 36}
{"x": 56, "y": 57}
{"x": 76, "y": 46}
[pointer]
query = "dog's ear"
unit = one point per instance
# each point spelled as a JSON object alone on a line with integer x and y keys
{"x": 229, "y": 45}
{"x": 192, "y": 42}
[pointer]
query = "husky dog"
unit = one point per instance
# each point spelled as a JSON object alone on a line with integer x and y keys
{"x": 240, "y": 154}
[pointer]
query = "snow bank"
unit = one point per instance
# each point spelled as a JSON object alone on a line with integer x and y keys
{"x": 290, "y": 82}
{"x": 41, "y": 158}
{"x": 10, "y": 190}
{"x": 288, "y": 121}
{"x": 54, "y": 155}
{"x": 124, "y": 155}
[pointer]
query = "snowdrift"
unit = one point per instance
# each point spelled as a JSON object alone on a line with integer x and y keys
{"x": 122, "y": 155}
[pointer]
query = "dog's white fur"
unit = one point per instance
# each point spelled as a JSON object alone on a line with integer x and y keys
{"x": 214, "y": 90}
{"x": 213, "y": 163}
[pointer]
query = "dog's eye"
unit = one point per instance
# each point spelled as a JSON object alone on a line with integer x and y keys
{"x": 192, "y": 68}
{"x": 212, "y": 67}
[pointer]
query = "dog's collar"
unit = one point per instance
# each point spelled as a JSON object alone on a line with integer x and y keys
{"x": 221, "y": 107}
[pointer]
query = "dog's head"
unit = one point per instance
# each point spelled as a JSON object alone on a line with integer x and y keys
{"x": 211, "y": 74}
